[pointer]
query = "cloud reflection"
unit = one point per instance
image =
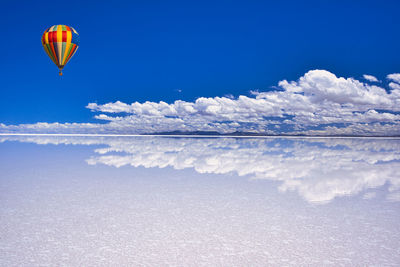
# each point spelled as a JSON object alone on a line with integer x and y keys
{"x": 319, "y": 169}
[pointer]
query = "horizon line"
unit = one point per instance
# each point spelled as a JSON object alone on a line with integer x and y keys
{"x": 197, "y": 136}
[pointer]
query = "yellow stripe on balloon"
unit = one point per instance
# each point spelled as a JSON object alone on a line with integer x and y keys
{"x": 67, "y": 45}
{"x": 59, "y": 44}
{"x": 59, "y": 34}
{"x": 46, "y": 38}
{"x": 69, "y": 36}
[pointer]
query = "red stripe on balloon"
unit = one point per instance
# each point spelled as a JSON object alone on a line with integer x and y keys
{"x": 54, "y": 37}
{"x": 51, "y": 37}
{"x": 64, "y": 36}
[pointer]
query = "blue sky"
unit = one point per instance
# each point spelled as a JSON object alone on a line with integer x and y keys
{"x": 182, "y": 50}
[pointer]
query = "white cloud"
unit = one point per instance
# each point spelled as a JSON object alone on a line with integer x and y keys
{"x": 370, "y": 78}
{"x": 394, "y": 77}
{"x": 318, "y": 99}
{"x": 360, "y": 129}
{"x": 319, "y": 169}
{"x": 394, "y": 86}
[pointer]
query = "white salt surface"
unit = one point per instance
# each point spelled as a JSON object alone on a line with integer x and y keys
{"x": 190, "y": 202}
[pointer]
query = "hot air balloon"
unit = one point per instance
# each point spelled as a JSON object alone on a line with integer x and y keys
{"x": 60, "y": 43}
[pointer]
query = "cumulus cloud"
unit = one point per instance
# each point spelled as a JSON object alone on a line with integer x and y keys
{"x": 370, "y": 78}
{"x": 319, "y": 169}
{"x": 394, "y": 77}
{"x": 393, "y": 86}
{"x": 317, "y": 103}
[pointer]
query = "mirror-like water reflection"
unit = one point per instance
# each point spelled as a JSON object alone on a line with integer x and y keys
{"x": 199, "y": 201}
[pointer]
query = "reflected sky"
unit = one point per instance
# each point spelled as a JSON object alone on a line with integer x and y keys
{"x": 199, "y": 201}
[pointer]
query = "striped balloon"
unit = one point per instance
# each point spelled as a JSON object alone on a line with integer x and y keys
{"x": 60, "y": 43}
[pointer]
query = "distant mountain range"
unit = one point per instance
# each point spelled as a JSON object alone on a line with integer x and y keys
{"x": 214, "y": 133}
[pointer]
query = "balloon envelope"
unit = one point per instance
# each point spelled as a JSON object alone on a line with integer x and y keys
{"x": 60, "y": 43}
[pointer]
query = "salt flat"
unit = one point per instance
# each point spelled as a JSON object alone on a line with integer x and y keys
{"x": 98, "y": 200}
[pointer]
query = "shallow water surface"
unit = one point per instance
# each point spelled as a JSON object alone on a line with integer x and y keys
{"x": 75, "y": 200}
